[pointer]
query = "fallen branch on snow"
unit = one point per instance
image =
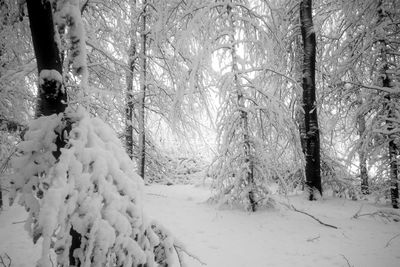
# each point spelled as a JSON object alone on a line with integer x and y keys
{"x": 390, "y": 240}
{"x": 157, "y": 195}
{"x": 348, "y": 262}
{"x": 2, "y": 261}
{"x": 177, "y": 247}
{"x": 19, "y": 222}
{"x": 389, "y": 215}
{"x": 318, "y": 220}
{"x": 312, "y": 239}
{"x": 290, "y": 206}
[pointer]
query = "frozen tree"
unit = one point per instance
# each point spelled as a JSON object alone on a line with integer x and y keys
{"x": 142, "y": 92}
{"x": 129, "y": 81}
{"x": 389, "y": 79}
{"x": 16, "y": 71}
{"x": 253, "y": 120}
{"x": 172, "y": 80}
{"x": 91, "y": 188}
{"x": 72, "y": 173}
{"x": 364, "y": 84}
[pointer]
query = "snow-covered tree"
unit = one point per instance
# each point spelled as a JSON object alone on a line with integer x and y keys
{"x": 72, "y": 173}
{"x": 355, "y": 56}
{"x": 256, "y": 133}
{"x": 91, "y": 190}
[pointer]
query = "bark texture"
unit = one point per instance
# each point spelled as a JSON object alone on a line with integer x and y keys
{"x": 52, "y": 97}
{"x": 129, "y": 84}
{"x": 392, "y": 147}
{"x": 389, "y": 110}
{"x": 142, "y": 95}
{"x": 362, "y": 157}
{"x": 312, "y": 142}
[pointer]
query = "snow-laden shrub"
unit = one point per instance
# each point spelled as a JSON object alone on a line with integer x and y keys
{"x": 92, "y": 187}
{"x": 187, "y": 170}
{"x": 337, "y": 180}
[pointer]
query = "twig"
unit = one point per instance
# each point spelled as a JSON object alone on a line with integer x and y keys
{"x": 2, "y": 260}
{"x": 158, "y": 195}
{"x": 19, "y": 222}
{"x": 305, "y": 213}
{"x": 390, "y": 240}
{"x": 181, "y": 264}
{"x": 189, "y": 254}
{"x": 355, "y": 216}
{"x": 313, "y": 238}
{"x": 51, "y": 260}
{"x": 385, "y": 214}
{"x": 348, "y": 262}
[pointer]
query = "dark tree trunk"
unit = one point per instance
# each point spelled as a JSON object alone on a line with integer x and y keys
{"x": 142, "y": 96}
{"x": 394, "y": 183}
{"x": 312, "y": 149}
{"x": 129, "y": 85}
{"x": 392, "y": 147}
{"x": 299, "y": 112}
{"x": 388, "y": 106}
{"x": 52, "y": 97}
{"x": 362, "y": 157}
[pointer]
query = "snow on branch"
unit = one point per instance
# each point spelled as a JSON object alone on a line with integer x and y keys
{"x": 390, "y": 90}
{"x": 68, "y": 16}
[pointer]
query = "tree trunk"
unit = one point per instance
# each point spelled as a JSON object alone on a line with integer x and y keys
{"x": 313, "y": 173}
{"x": 394, "y": 183}
{"x": 392, "y": 147}
{"x": 299, "y": 112}
{"x": 142, "y": 96}
{"x": 243, "y": 115}
{"x": 52, "y": 97}
{"x": 362, "y": 157}
{"x": 129, "y": 83}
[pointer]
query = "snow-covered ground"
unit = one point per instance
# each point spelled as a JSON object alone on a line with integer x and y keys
{"x": 224, "y": 237}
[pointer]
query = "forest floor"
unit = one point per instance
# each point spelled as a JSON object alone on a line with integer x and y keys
{"x": 220, "y": 237}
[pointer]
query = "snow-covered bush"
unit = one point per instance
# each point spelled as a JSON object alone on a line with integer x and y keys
{"x": 91, "y": 188}
{"x": 186, "y": 170}
{"x": 337, "y": 180}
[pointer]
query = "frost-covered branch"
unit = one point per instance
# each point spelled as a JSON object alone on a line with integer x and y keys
{"x": 390, "y": 90}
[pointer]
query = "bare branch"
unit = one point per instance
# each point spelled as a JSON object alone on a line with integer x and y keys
{"x": 390, "y": 240}
{"x": 3, "y": 261}
{"x": 348, "y": 262}
{"x": 303, "y": 212}
{"x": 379, "y": 88}
{"x": 313, "y": 238}
{"x": 177, "y": 247}
{"x": 389, "y": 215}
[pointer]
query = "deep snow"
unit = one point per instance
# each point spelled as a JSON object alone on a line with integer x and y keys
{"x": 224, "y": 237}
